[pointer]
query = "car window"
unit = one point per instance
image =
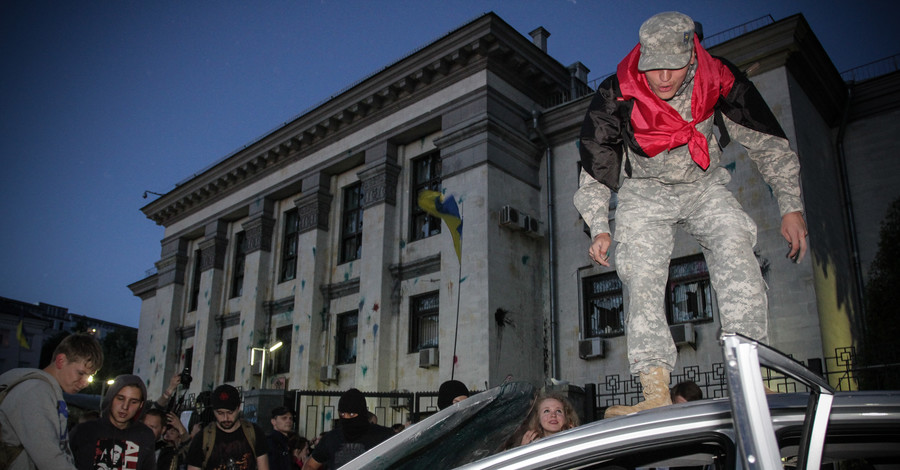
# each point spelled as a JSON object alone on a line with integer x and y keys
{"x": 853, "y": 447}
{"x": 706, "y": 451}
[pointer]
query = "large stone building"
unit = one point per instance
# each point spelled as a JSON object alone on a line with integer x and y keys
{"x": 40, "y": 322}
{"x": 312, "y": 235}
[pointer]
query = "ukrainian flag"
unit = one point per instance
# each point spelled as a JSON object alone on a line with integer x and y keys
{"x": 20, "y": 335}
{"x": 434, "y": 203}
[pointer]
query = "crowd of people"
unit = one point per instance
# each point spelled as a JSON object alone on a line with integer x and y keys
{"x": 131, "y": 431}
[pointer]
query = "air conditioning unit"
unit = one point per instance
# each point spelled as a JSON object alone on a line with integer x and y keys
{"x": 531, "y": 226}
{"x": 328, "y": 373}
{"x": 256, "y": 367}
{"x": 428, "y": 357}
{"x": 510, "y": 218}
{"x": 590, "y": 348}
{"x": 684, "y": 335}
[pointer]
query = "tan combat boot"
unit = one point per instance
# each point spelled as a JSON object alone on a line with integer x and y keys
{"x": 656, "y": 394}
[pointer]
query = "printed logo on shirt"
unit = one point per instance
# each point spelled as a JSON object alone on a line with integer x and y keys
{"x": 115, "y": 454}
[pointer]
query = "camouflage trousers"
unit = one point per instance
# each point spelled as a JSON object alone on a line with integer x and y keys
{"x": 647, "y": 215}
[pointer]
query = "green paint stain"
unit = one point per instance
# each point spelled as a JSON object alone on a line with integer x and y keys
{"x": 402, "y": 244}
{"x": 364, "y": 369}
{"x": 462, "y": 280}
{"x": 525, "y": 259}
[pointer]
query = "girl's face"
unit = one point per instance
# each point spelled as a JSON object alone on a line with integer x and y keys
{"x": 552, "y": 414}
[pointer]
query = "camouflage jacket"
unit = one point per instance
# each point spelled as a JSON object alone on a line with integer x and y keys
{"x": 610, "y": 153}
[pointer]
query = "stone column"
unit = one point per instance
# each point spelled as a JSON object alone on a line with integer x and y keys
{"x": 254, "y": 323}
{"x": 158, "y": 337}
{"x": 310, "y": 316}
{"x": 207, "y": 334}
{"x": 376, "y": 356}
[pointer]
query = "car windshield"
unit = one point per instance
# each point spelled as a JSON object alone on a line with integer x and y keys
{"x": 462, "y": 433}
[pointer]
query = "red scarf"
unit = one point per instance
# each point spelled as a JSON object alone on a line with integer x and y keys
{"x": 658, "y": 126}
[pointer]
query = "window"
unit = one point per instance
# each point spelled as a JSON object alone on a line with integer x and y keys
{"x": 603, "y": 312}
{"x": 230, "y": 359}
{"x": 689, "y": 295}
{"x": 346, "y": 337}
{"x": 289, "y": 247}
{"x": 189, "y": 357}
{"x": 240, "y": 254}
{"x": 423, "y": 318}
{"x": 351, "y": 223}
{"x": 282, "y": 356}
{"x": 426, "y": 176}
{"x": 195, "y": 283}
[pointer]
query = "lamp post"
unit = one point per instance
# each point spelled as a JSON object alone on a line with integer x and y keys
{"x": 262, "y": 365}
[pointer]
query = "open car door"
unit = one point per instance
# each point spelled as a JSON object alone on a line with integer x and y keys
{"x": 752, "y": 420}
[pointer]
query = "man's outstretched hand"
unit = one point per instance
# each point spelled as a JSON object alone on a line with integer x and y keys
{"x": 793, "y": 229}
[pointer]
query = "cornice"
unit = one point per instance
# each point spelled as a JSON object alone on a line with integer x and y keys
{"x": 790, "y": 43}
{"x": 486, "y": 42}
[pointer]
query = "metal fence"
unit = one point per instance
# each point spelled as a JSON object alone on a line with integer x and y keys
{"x": 846, "y": 370}
{"x": 317, "y": 409}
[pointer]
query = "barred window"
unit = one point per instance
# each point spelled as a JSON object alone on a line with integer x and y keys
{"x": 603, "y": 308}
{"x": 240, "y": 254}
{"x": 423, "y": 317}
{"x": 282, "y": 356}
{"x": 195, "y": 283}
{"x": 231, "y": 359}
{"x": 351, "y": 223}
{"x": 347, "y": 332}
{"x": 426, "y": 175}
{"x": 289, "y": 245}
{"x": 689, "y": 294}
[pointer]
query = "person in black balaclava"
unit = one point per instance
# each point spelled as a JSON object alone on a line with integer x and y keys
{"x": 354, "y": 436}
{"x": 451, "y": 393}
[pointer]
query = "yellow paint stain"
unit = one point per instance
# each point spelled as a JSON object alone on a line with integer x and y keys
{"x": 834, "y": 319}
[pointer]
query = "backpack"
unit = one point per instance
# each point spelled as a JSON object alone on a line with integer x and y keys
{"x": 209, "y": 439}
{"x": 8, "y": 452}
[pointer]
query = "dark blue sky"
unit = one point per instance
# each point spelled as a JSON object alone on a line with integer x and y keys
{"x": 102, "y": 100}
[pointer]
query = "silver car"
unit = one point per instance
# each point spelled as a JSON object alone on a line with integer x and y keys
{"x": 747, "y": 430}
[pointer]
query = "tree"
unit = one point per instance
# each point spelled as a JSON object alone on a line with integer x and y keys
{"x": 118, "y": 352}
{"x": 882, "y": 314}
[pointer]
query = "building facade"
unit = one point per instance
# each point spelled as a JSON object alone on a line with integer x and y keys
{"x": 312, "y": 236}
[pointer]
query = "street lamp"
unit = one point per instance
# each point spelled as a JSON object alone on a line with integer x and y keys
{"x": 262, "y": 365}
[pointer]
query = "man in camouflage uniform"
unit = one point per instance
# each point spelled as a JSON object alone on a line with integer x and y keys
{"x": 648, "y": 134}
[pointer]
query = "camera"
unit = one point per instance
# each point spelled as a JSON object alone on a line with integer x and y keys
{"x": 185, "y": 377}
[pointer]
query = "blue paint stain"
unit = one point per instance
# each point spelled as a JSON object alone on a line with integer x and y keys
{"x": 731, "y": 167}
{"x": 328, "y": 415}
{"x": 375, "y": 330}
{"x": 300, "y": 351}
{"x": 346, "y": 276}
{"x": 163, "y": 322}
{"x": 164, "y": 348}
{"x": 302, "y": 283}
{"x": 362, "y": 301}
{"x": 364, "y": 369}
{"x": 314, "y": 251}
{"x": 463, "y": 279}
{"x": 525, "y": 259}
{"x": 402, "y": 244}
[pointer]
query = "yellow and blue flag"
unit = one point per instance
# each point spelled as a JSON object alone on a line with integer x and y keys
{"x": 20, "y": 335}
{"x": 434, "y": 203}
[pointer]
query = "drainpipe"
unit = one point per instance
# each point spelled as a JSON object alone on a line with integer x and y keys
{"x": 848, "y": 213}
{"x": 554, "y": 323}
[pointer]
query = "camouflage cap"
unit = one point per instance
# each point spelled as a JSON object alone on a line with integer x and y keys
{"x": 667, "y": 41}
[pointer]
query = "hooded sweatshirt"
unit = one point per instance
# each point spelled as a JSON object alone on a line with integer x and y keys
{"x": 100, "y": 444}
{"x": 34, "y": 414}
